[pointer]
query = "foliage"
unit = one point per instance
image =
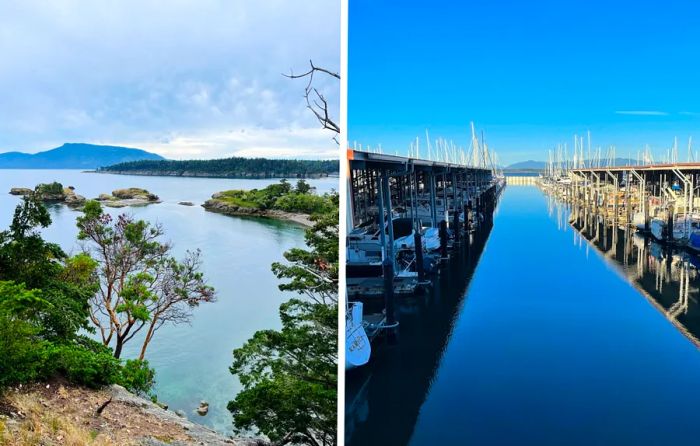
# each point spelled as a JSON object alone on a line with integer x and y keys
{"x": 49, "y": 189}
{"x": 314, "y": 272}
{"x": 24, "y": 256}
{"x": 280, "y": 196}
{"x": 83, "y": 366}
{"x": 141, "y": 286}
{"x": 137, "y": 377}
{"x": 21, "y": 347}
{"x": 289, "y": 376}
{"x": 232, "y": 167}
{"x": 44, "y": 304}
{"x": 21, "y": 351}
{"x": 65, "y": 282}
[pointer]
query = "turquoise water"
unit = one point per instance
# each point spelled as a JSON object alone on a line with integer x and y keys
{"x": 540, "y": 340}
{"x": 191, "y": 360}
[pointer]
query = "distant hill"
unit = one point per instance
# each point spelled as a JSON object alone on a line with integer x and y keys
{"x": 529, "y": 164}
{"x": 540, "y": 165}
{"x": 74, "y": 156}
{"x": 230, "y": 168}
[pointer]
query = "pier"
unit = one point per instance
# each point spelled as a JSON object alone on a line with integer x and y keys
{"x": 661, "y": 199}
{"x": 521, "y": 180}
{"x": 406, "y": 217}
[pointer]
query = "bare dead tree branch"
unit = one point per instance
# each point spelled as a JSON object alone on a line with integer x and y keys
{"x": 315, "y": 101}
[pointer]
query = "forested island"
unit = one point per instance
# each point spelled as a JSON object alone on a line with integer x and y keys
{"x": 281, "y": 200}
{"x": 228, "y": 168}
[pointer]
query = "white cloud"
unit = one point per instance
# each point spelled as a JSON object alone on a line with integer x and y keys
{"x": 138, "y": 70}
{"x": 246, "y": 142}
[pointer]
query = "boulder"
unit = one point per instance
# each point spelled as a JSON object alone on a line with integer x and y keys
{"x": 134, "y": 193}
{"x": 186, "y": 203}
{"x": 74, "y": 200}
{"x": 20, "y": 191}
{"x": 203, "y": 408}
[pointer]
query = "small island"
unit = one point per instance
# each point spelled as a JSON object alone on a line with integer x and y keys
{"x": 52, "y": 193}
{"x": 132, "y": 196}
{"x": 281, "y": 201}
{"x": 56, "y": 193}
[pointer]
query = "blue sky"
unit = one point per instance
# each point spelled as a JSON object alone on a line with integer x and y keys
{"x": 186, "y": 79}
{"x": 531, "y": 74}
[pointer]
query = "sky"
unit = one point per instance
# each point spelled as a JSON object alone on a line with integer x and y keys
{"x": 186, "y": 79}
{"x": 530, "y": 74}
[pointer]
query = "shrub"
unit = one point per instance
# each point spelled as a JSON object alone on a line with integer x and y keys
{"x": 304, "y": 203}
{"x": 22, "y": 353}
{"x": 137, "y": 377}
{"x": 54, "y": 188}
{"x": 83, "y": 366}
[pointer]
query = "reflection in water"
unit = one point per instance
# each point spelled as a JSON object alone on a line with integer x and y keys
{"x": 544, "y": 342}
{"x": 667, "y": 276}
{"x": 383, "y": 399}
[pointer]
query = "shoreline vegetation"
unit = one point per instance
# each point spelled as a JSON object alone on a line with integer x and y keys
{"x": 250, "y": 168}
{"x": 279, "y": 201}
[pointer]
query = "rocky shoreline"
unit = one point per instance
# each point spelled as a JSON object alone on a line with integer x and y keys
{"x": 221, "y": 207}
{"x": 125, "y": 419}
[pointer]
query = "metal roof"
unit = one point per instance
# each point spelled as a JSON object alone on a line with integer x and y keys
{"x": 380, "y": 160}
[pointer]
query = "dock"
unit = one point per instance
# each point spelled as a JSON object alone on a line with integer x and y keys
{"x": 406, "y": 217}
{"x": 660, "y": 199}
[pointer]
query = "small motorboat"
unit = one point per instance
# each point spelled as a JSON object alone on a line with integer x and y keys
{"x": 357, "y": 346}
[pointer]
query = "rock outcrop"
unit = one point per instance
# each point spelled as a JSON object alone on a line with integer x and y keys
{"x": 20, "y": 191}
{"x": 132, "y": 196}
{"x": 57, "y": 194}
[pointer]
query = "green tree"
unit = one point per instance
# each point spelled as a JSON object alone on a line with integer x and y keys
{"x": 289, "y": 376}
{"x": 303, "y": 187}
{"x": 44, "y": 297}
{"x": 141, "y": 286}
{"x": 66, "y": 283}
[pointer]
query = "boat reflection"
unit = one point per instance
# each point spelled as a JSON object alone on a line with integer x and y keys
{"x": 665, "y": 275}
{"x": 383, "y": 399}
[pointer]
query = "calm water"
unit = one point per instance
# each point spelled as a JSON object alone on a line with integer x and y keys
{"x": 191, "y": 361}
{"x": 543, "y": 341}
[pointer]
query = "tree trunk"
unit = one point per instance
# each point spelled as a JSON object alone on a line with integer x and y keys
{"x": 149, "y": 335}
{"x": 118, "y": 347}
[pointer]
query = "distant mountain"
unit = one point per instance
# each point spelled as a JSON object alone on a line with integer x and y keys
{"x": 529, "y": 164}
{"x": 75, "y": 156}
{"x": 540, "y": 165}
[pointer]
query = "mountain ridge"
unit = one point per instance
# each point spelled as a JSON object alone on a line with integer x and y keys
{"x": 540, "y": 165}
{"x": 75, "y": 156}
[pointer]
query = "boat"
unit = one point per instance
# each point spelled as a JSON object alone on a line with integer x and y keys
{"x": 683, "y": 228}
{"x": 638, "y": 221}
{"x": 658, "y": 229}
{"x": 694, "y": 242}
{"x": 357, "y": 346}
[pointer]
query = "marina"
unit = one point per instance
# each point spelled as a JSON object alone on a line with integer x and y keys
{"x": 407, "y": 219}
{"x": 542, "y": 333}
{"x": 659, "y": 199}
